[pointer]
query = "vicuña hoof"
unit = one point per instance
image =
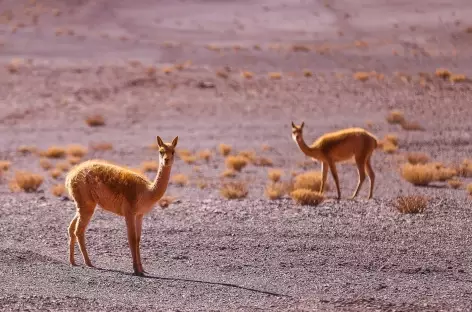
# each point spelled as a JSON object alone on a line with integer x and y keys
{"x": 139, "y": 273}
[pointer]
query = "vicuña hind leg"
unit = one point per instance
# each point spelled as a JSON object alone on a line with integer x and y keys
{"x": 334, "y": 172}
{"x": 72, "y": 239}
{"x": 371, "y": 174}
{"x": 85, "y": 213}
{"x": 139, "y": 227}
{"x": 324, "y": 176}
{"x": 360, "y": 162}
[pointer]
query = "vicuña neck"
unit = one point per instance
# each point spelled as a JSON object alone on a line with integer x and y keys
{"x": 159, "y": 185}
{"x": 307, "y": 150}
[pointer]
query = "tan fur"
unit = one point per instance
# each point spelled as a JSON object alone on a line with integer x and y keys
{"x": 120, "y": 191}
{"x": 340, "y": 146}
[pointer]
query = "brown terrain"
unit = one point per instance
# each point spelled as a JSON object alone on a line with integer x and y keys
{"x": 173, "y": 68}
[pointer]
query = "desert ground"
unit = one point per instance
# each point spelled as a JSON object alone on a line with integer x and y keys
{"x": 237, "y": 72}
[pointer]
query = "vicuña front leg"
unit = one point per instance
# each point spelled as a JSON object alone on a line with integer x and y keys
{"x": 360, "y": 162}
{"x": 324, "y": 175}
{"x": 334, "y": 172}
{"x": 72, "y": 239}
{"x": 371, "y": 174}
{"x": 84, "y": 218}
{"x": 139, "y": 227}
{"x": 131, "y": 227}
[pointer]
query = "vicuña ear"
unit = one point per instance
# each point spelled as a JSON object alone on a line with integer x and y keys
{"x": 159, "y": 141}
{"x": 301, "y": 126}
{"x": 293, "y": 125}
{"x": 175, "y": 140}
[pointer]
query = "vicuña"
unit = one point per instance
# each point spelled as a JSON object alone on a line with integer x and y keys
{"x": 120, "y": 191}
{"x": 340, "y": 146}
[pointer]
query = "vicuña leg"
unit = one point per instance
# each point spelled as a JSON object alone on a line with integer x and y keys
{"x": 371, "y": 174}
{"x": 360, "y": 162}
{"x": 131, "y": 227}
{"x": 85, "y": 214}
{"x": 334, "y": 172}
{"x": 324, "y": 175}
{"x": 139, "y": 227}
{"x": 72, "y": 239}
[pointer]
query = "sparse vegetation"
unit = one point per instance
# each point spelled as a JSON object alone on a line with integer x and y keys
{"x": 76, "y": 150}
{"x": 396, "y": 117}
{"x": 45, "y": 164}
{"x": 415, "y": 158}
{"x": 149, "y": 166}
{"x": 443, "y": 73}
{"x": 205, "y": 155}
{"x": 55, "y": 173}
{"x": 310, "y": 180}
{"x": 101, "y": 146}
{"x": 63, "y": 166}
{"x": 411, "y": 204}
{"x": 306, "y": 197}
{"x": 247, "y": 74}
{"x": 229, "y": 173}
{"x": 236, "y": 163}
{"x": 73, "y": 160}
{"x": 275, "y": 75}
{"x": 458, "y": 78}
{"x": 234, "y": 190}
{"x": 469, "y": 188}
{"x": 165, "y": 201}
{"x": 27, "y": 149}
{"x": 307, "y": 73}
{"x": 465, "y": 169}
{"x": 275, "y": 175}
{"x": 58, "y": 190}
{"x": 224, "y": 149}
{"x": 54, "y": 152}
{"x": 420, "y": 175}
{"x": 444, "y": 174}
{"x": 412, "y": 126}
{"x": 263, "y": 162}
{"x": 4, "y": 165}
{"x": 189, "y": 159}
{"x": 95, "y": 120}
{"x": 179, "y": 179}
{"x": 275, "y": 190}
{"x": 26, "y": 181}
{"x": 454, "y": 183}
{"x": 361, "y": 76}
{"x": 249, "y": 155}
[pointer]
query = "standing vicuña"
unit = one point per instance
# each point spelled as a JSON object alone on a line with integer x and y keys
{"x": 118, "y": 190}
{"x": 339, "y": 146}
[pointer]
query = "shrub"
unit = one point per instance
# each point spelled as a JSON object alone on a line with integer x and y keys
{"x": 55, "y": 173}
{"x": 444, "y": 174}
{"x": 229, "y": 173}
{"x": 26, "y": 149}
{"x": 247, "y": 74}
{"x": 469, "y": 188}
{"x": 395, "y": 117}
{"x": 54, "y": 152}
{"x": 411, "y": 204}
{"x": 189, "y": 159}
{"x": 165, "y": 201}
{"x": 443, "y": 73}
{"x": 234, "y": 190}
{"x": 275, "y": 190}
{"x": 181, "y": 152}
{"x": 275, "y": 75}
{"x": 249, "y": 155}
{"x": 76, "y": 150}
{"x": 101, "y": 146}
{"x": 263, "y": 162}
{"x": 224, "y": 149}
{"x": 63, "y": 166}
{"x": 275, "y": 175}
{"x": 202, "y": 184}
{"x": 306, "y": 197}
{"x": 417, "y": 158}
{"x": 455, "y": 184}
{"x": 465, "y": 169}
{"x": 412, "y": 126}
{"x": 58, "y": 190}
{"x": 149, "y": 166}
{"x": 205, "y": 155}
{"x": 389, "y": 148}
{"x": 361, "y": 76}
{"x": 300, "y": 48}
{"x": 180, "y": 179}
{"x": 307, "y": 73}
{"x": 27, "y": 181}
{"x": 458, "y": 78}
{"x": 420, "y": 175}
{"x": 310, "y": 180}
{"x": 95, "y": 120}
{"x": 4, "y": 165}
{"x": 45, "y": 164}
{"x": 73, "y": 160}
{"x": 236, "y": 163}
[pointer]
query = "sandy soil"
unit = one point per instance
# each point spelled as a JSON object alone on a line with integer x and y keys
{"x": 205, "y": 253}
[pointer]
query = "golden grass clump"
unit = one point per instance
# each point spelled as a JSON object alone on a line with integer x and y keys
{"x": 165, "y": 201}
{"x": 58, "y": 190}
{"x": 63, "y": 166}
{"x": 205, "y": 155}
{"x": 310, "y": 180}
{"x": 300, "y": 48}
{"x": 361, "y": 76}
{"x": 263, "y": 162}
{"x": 76, "y": 150}
{"x": 26, "y": 181}
{"x": 4, "y": 165}
{"x": 55, "y": 173}
{"x": 95, "y": 120}
{"x": 74, "y": 160}
{"x": 45, "y": 164}
{"x": 395, "y": 117}
{"x": 415, "y": 158}
{"x": 101, "y": 146}
{"x": 420, "y": 175}
{"x": 149, "y": 166}
{"x": 179, "y": 179}
{"x": 249, "y": 155}
{"x": 222, "y": 74}
{"x": 228, "y": 173}
{"x": 27, "y": 149}
{"x": 274, "y": 175}
{"x": 275, "y": 190}
{"x": 442, "y": 73}
{"x": 469, "y": 188}
{"x": 54, "y": 152}
{"x": 180, "y": 152}
{"x": 454, "y": 183}
{"x": 444, "y": 174}
{"x": 392, "y": 138}
{"x": 275, "y": 75}
{"x": 189, "y": 159}
{"x": 411, "y": 204}
{"x": 14, "y": 65}
{"x": 234, "y": 190}
{"x": 307, "y": 73}
{"x": 224, "y": 149}
{"x": 236, "y": 163}
{"x": 201, "y": 184}
{"x": 247, "y": 74}
{"x": 412, "y": 126}
{"x": 465, "y": 169}
{"x": 306, "y": 197}
{"x": 458, "y": 78}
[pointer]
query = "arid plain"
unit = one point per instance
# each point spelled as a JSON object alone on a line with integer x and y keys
{"x": 238, "y": 73}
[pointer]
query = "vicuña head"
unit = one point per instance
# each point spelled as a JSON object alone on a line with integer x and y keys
{"x": 339, "y": 146}
{"x": 120, "y": 191}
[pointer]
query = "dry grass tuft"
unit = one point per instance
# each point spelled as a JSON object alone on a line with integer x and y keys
{"x": 4, "y": 165}
{"x": 275, "y": 190}
{"x": 263, "y": 162}
{"x": 205, "y": 155}
{"x": 229, "y": 173}
{"x": 396, "y": 117}
{"x": 454, "y": 183}
{"x": 442, "y": 73}
{"x": 306, "y": 197}
{"x": 14, "y": 65}
{"x": 189, "y": 159}
{"x": 45, "y": 164}
{"x": 55, "y": 173}
{"x": 222, "y": 74}
{"x": 234, "y": 190}
{"x": 392, "y": 138}
{"x": 236, "y": 163}
{"x": 76, "y": 150}
{"x": 101, "y": 146}
{"x": 247, "y": 74}
{"x": 310, "y": 180}
{"x": 26, "y": 181}
{"x": 361, "y": 76}
{"x": 300, "y": 48}
{"x": 224, "y": 149}
{"x": 63, "y": 166}
{"x": 274, "y": 175}
{"x": 307, "y": 73}
{"x": 412, "y": 126}
{"x": 411, "y": 204}
{"x": 249, "y": 155}
{"x": 389, "y": 148}
{"x": 201, "y": 184}
{"x": 26, "y": 149}
{"x": 58, "y": 190}
{"x": 149, "y": 166}
{"x": 444, "y": 174}
{"x": 95, "y": 120}
{"x": 465, "y": 169}
{"x": 275, "y": 75}
{"x": 180, "y": 152}
{"x": 165, "y": 201}
{"x": 415, "y": 158}
{"x": 54, "y": 152}
{"x": 179, "y": 179}
{"x": 73, "y": 160}
{"x": 420, "y": 175}
{"x": 457, "y": 78}
{"x": 469, "y": 188}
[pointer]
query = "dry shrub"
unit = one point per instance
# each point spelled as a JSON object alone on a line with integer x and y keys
{"x": 26, "y": 149}
{"x": 202, "y": 184}
{"x": 45, "y": 164}
{"x": 275, "y": 190}
{"x": 165, "y": 201}
{"x": 76, "y": 150}
{"x": 247, "y": 74}
{"x": 180, "y": 152}
{"x": 307, "y": 73}
{"x": 469, "y": 188}
{"x": 222, "y": 74}
{"x": 454, "y": 183}
{"x": 167, "y": 70}
{"x": 63, "y": 166}
{"x": 234, "y": 190}
{"x": 73, "y": 160}
{"x": 189, "y": 159}
{"x": 263, "y": 162}
{"x": 249, "y": 155}
{"x": 444, "y": 174}
{"x": 411, "y": 204}
{"x": 101, "y": 146}
{"x": 419, "y": 174}
{"x": 4, "y": 165}
{"x": 395, "y": 117}
{"x": 275, "y": 75}
{"x": 236, "y": 162}
{"x": 205, "y": 155}
{"x": 300, "y": 48}
{"x": 392, "y": 138}
{"x": 55, "y": 173}
{"x": 389, "y": 147}
{"x": 14, "y": 65}
{"x": 149, "y": 166}
{"x": 54, "y": 152}
{"x": 458, "y": 78}
{"x": 266, "y": 147}
{"x": 412, "y": 126}
{"x": 229, "y": 173}
{"x": 58, "y": 190}
{"x": 27, "y": 181}
{"x": 224, "y": 149}
{"x": 310, "y": 180}
{"x": 179, "y": 179}
{"x": 465, "y": 169}
{"x": 306, "y": 197}
{"x": 275, "y": 175}
{"x": 95, "y": 120}
{"x": 442, "y": 73}
{"x": 361, "y": 76}
{"x": 415, "y": 158}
